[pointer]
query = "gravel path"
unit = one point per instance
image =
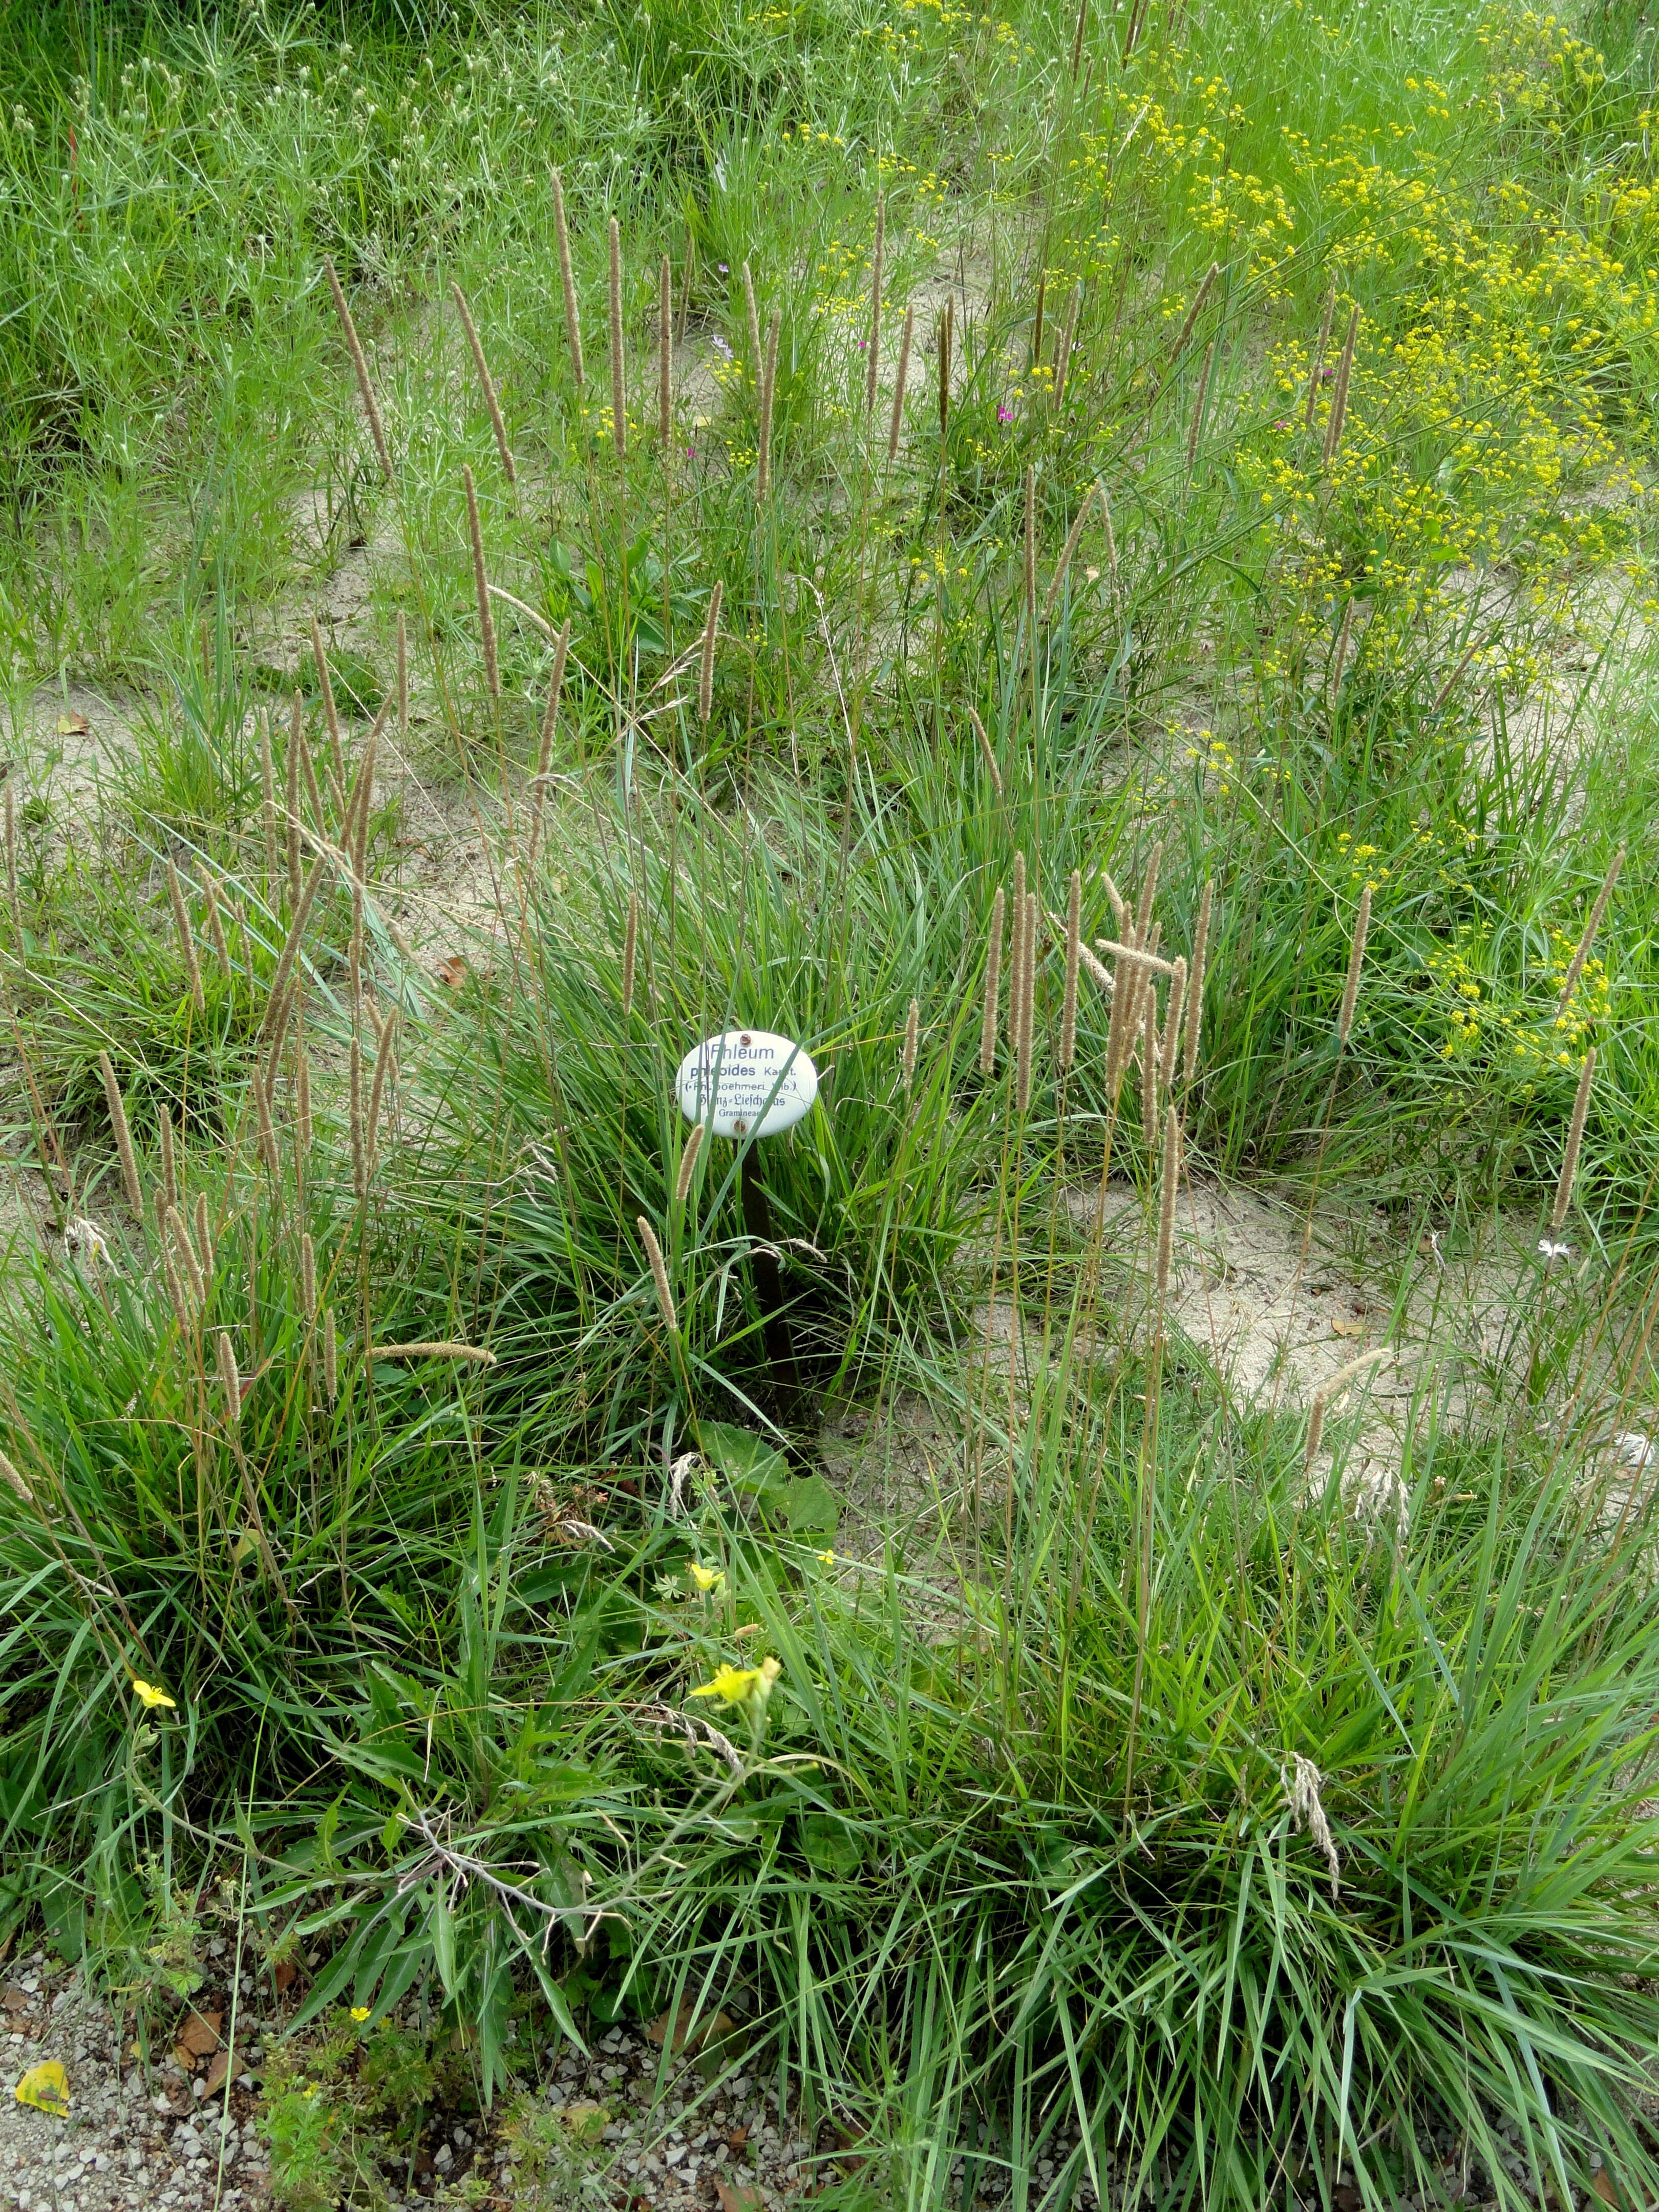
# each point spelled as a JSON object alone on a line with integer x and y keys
{"x": 128, "y": 2141}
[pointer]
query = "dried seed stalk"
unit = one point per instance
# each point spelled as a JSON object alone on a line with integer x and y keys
{"x": 303, "y": 1127}
{"x": 1148, "y": 892}
{"x": 383, "y": 1067}
{"x": 330, "y": 714}
{"x": 751, "y": 325}
{"x": 1576, "y": 965}
{"x": 1016, "y": 951}
{"x": 1314, "y": 373}
{"x": 290, "y": 951}
{"x": 1027, "y": 1006}
{"x": 1074, "y": 950}
{"x": 688, "y": 1162}
{"x": 174, "y": 1226}
{"x": 481, "y": 585}
{"x": 1169, "y": 1050}
{"x": 567, "y": 281}
{"x": 1149, "y": 1035}
{"x": 232, "y": 1380}
{"x": 911, "y": 1034}
{"x": 360, "y": 362}
{"x": 1138, "y": 955}
{"x": 1301, "y": 1789}
{"x": 985, "y": 748}
{"x": 308, "y": 1280}
{"x": 173, "y": 1276}
{"x": 706, "y": 661}
{"x": 1063, "y": 565}
{"x": 297, "y": 747}
{"x": 266, "y": 1135}
{"x": 487, "y": 384}
{"x": 545, "y": 751}
{"x": 896, "y": 423}
{"x": 1575, "y": 1140}
{"x": 475, "y": 1355}
{"x": 1168, "y": 1186}
{"x": 1362, "y": 923}
{"x": 1195, "y": 310}
{"x": 1195, "y": 992}
{"x": 268, "y": 801}
{"x": 214, "y": 926}
{"x": 1063, "y": 349}
{"x": 186, "y": 937}
{"x": 169, "y": 1165}
{"x": 659, "y": 1273}
{"x": 618, "y": 367}
{"x": 1199, "y": 405}
{"x": 988, "y": 1033}
{"x": 355, "y": 1114}
{"x": 118, "y": 1120}
{"x": 331, "y": 1357}
{"x": 1333, "y": 1389}
{"x": 205, "y": 1235}
{"x": 1453, "y": 680}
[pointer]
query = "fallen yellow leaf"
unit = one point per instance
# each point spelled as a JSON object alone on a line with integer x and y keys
{"x": 45, "y": 2086}
{"x": 73, "y": 726}
{"x": 1343, "y": 1326}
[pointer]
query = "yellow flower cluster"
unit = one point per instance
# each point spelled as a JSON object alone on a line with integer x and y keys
{"x": 1487, "y": 1017}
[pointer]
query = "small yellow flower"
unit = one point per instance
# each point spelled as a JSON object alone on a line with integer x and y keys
{"x": 709, "y": 1580}
{"x": 826, "y": 1558}
{"x": 742, "y": 1686}
{"x": 360, "y": 2012}
{"x": 148, "y": 1695}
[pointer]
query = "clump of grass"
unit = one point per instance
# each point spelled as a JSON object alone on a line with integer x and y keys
{"x": 420, "y": 1422}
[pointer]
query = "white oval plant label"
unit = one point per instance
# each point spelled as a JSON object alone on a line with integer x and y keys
{"x": 746, "y": 1083}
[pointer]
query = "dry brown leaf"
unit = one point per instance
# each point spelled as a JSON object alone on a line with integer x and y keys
{"x": 452, "y": 971}
{"x": 736, "y": 2200}
{"x": 14, "y": 1999}
{"x": 218, "y": 2067}
{"x": 73, "y": 726}
{"x": 283, "y": 1973}
{"x": 1342, "y": 1326}
{"x": 738, "y": 2138}
{"x": 689, "y": 2033}
{"x": 1604, "y": 2185}
{"x": 200, "y": 2033}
